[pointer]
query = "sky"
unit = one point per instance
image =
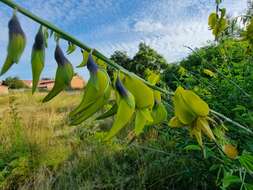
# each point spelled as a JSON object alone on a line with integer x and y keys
{"x": 109, "y": 25}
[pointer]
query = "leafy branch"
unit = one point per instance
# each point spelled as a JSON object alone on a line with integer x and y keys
{"x": 73, "y": 41}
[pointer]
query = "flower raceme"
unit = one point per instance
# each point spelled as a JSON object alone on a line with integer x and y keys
{"x": 192, "y": 111}
{"x": 133, "y": 96}
{"x": 38, "y": 58}
{"x": 96, "y": 95}
{"x": 64, "y": 74}
{"x": 16, "y": 45}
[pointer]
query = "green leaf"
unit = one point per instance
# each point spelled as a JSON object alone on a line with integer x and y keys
{"x": 71, "y": 48}
{"x": 248, "y": 186}
{"x": 112, "y": 111}
{"x": 229, "y": 180}
{"x": 56, "y": 36}
{"x": 192, "y": 147}
{"x": 85, "y": 55}
{"x": 218, "y": 1}
{"x": 246, "y": 160}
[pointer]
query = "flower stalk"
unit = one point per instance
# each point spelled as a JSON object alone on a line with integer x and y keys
{"x": 73, "y": 40}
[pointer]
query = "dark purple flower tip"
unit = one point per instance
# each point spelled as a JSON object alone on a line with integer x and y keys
{"x": 120, "y": 88}
{"x": 39, "y": 43}
{"x": 59, "y": 56}
{"x": 15, "y": 27}
{"x": 91, "y": 65}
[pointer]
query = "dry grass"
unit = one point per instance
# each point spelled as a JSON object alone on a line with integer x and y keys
{"x": 33, "y": 135}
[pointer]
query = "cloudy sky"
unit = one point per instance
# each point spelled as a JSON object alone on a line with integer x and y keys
{"x": 109, "y": 25}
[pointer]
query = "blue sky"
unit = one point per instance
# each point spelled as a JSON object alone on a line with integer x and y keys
{"x": 109, "y": 25}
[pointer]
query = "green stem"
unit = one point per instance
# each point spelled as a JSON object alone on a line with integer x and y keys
{"x": 95, "y": 52}
{"x": 75, "y": 41}
{"x": 231, "y": 121}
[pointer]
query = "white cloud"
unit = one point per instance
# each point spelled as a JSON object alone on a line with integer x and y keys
{"x": 148, "y": 26}
{"x": 164, "y": 25}
{"x": 169, "y": 35}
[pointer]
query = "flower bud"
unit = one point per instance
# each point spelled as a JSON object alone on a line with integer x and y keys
{"x": 38, "y": 58}
{"x": 39, "y": 43}
{"x": 120, "y": 88}
{"x": 91, "y": 65}
{"x": 59, "y": 56}
{"x": 15, "y": 27}
{"x": 16, "y": 45}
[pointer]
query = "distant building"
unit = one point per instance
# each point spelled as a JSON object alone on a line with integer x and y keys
{"x": 4, "y": 90}
{"x": 77, "y": 83}
{"x": 46, "y": 84}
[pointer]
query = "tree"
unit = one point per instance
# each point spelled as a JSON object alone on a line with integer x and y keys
{"x": 121, "y": 58}
{"x": 14, "y": 83}
{"x": 145, "y": 59}
{"x": 148, "y": 58}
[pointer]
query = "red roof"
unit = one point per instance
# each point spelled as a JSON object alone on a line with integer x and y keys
{"x": 44, "y": 83}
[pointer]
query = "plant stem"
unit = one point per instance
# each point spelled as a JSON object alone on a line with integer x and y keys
{"x": 95, "y": 52}
{"x": 77, "y": 42}
{"x": 231, "y": 121}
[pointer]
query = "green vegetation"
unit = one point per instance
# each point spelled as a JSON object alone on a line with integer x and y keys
{"x": 14, "y": 83}
{"x": 157, "y": 139}
{"x": 39, "y": 150}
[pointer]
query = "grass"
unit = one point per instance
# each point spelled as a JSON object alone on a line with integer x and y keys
{"x": 32, "y": 135}
{"x": 38, "y": 150}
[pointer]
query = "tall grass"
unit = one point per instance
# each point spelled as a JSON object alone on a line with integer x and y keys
{"x": 32, "y": 136}
{"x": 38, "y": 150}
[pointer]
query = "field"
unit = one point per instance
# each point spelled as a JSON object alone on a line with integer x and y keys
{"x": 38, "y": 150}
{"x": 32, "y": 135}
{"x": 184, "y": 125}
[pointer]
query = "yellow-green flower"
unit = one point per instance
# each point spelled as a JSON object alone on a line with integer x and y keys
{"x": 191, "y": 111}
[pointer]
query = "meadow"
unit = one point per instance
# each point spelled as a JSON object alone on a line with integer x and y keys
{"x": 195, "y": 134}
{"x": 38, "y": 150}
{"x": 32, "y": 135}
